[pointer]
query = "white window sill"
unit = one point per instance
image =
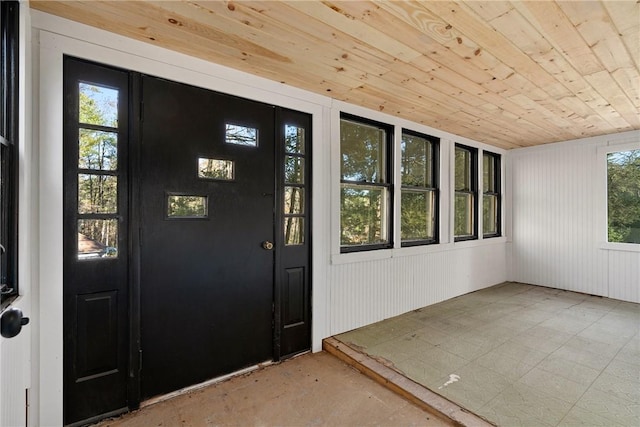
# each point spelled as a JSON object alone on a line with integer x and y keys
{"x": 623, "y": 247}
{"x": 381, "y": 254}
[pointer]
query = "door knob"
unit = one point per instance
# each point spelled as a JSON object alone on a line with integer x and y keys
{"x": 11, "y": 322}
{"x": 267, "y": 245}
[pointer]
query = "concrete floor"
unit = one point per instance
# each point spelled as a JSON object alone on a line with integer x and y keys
{"x": 309, "y": 390}
{"x": 520, "y": 355}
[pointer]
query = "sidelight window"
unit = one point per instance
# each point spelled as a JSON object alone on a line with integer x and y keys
{"x": 365, "y": 208}
{"x": 97, "y": 172}
{"x": 294, "y": 185}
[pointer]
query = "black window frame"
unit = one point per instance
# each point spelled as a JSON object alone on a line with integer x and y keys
{"x": 473, "y": 191}
{"x": 9, "y": 119}
{"x": 496, "y": 192}
{"x": 435, "y": 188}
{"x": 387, "y": 184}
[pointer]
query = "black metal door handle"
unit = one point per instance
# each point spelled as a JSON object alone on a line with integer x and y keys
{"x": 11, "y": 322}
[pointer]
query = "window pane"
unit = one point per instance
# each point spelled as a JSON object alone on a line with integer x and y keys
{"x": 97, "y": 194}
{"x": 623, "y": 196}
{"x": 293, "y": 200}
{"x": 183, "y": 206}
{"x": 293, "y": 170}
{"x": 362, "y": 148}
{"x": 416, "y": 161}
{"x": 294, "y": 231}
{"x": 215, "y": 169}
{"x": 489, "y": 173}
{"x": 362, "y": 215}
{"x": 463, "y": 225}
{"x": 241, "y": 135}
{"x": 98, "y": 105}
{"x": 294, "y": 139}
{"x": 418, "y": 219}
{"x": 490, "y": 214}
{"x": 463, "y": 169}
{"x": 97, "y": 150}
{"x": 97, "y": 238}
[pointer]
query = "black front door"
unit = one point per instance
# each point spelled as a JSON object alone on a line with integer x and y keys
{"x": 186, "y": 237}
{"x": 207, "y": 193}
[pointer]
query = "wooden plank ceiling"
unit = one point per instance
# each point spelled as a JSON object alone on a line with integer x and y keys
{"x": 507, "y": 73}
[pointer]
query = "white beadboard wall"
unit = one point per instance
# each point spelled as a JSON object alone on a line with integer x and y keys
{"x": 370, "y": 291}
{"x": 559, "y": 220}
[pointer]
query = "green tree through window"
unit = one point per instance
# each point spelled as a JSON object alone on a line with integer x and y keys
{"x": 365, "y": 188}
{"x": 419, "y": 189}
{"x": 97, "y": 171}
{"x": 623, "y": 196}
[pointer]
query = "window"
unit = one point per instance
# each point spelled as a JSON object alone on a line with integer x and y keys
{"x": 9, "y": 16}
{"x": 466, "y": 189}
{"x": 216, "y": 169}
{"x": 491, "y": 198}
{"x": 241, "y": 135}
{"x": 98, "y": 171}
{"x": 419, "y": 197}
{"x": 623, "y": 196}
{"x": 187, "y": 206}
{"x": 365, "y": 184}
{"x": 294, "y": 189}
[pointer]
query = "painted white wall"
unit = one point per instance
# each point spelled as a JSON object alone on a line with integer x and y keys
{"x": 559, "y": 219}
{"x": 366, "y": 287}
{"x": 349, "y": 290}
{"x": 16, "y": 360}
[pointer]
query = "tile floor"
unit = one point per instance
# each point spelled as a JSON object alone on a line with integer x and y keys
{"x": 520, "y": 355}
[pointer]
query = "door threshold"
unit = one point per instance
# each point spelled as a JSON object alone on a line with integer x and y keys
{"x": 204, "y": 384}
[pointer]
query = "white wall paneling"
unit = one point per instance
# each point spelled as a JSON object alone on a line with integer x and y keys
{"x": 370, "y": 291}
{"x": 559, "y": 219}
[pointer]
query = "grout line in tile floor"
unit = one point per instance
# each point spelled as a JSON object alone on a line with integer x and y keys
{"x": 515, "y": 346}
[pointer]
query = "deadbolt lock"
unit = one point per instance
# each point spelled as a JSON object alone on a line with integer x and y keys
{"x": 267, "y": 245}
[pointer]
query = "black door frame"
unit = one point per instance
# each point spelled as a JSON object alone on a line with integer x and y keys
{"x": 135, "y": 109}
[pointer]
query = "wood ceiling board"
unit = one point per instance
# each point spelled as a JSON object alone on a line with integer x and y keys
{"x": 466, "y": 22}
{"x": 560, "y": 32}
{"x": 629, "y": 80}
{"x": 625, "y": 16}
{"x": 593, "y": 22}
{"x": 505, "y": 73}
{"x": 529, "y": 40}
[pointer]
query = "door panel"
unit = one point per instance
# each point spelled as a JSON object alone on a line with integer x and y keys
{"x": 206, "y": 280}
{"x": 95, "y": 299}
{"x": 293, "y": 296}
